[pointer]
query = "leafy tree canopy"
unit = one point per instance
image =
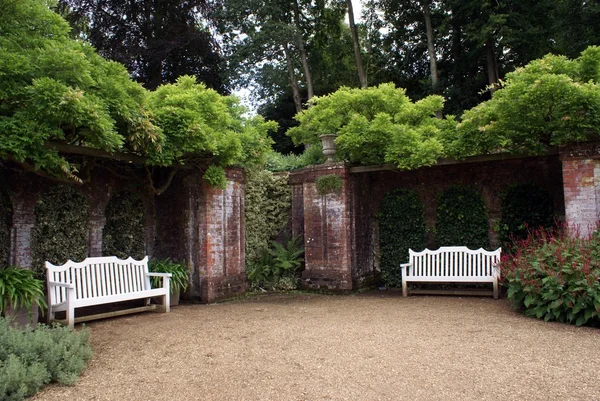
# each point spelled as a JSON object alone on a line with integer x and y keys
{"x": 55, "y": 89}
{"x": 551, "y": 101}
{"x": 376, "y": 125}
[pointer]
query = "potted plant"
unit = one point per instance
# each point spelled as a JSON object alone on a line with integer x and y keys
{"x": 21, "y": 296}
{"x": 179, "y": 279}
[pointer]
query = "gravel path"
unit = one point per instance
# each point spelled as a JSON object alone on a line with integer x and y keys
{"x": 314, "y": 347}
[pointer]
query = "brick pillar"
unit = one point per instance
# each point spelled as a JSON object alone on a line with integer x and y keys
{"x": 221, "y": 242}
{"x": 21, "y": 233}
{"x": 327, "y": 230}
{"x": 581, "y": 181}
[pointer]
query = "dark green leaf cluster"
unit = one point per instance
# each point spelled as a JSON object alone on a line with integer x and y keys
{"x": 401, "y": 227}
{"x": 310, "y": 157}
{"x": 277, "y": 266}
{"x": 180, "y": 277}
{"x": 62, "y": 228}
{"x": 5, "y": 220}
{"x": 31, "y": 359}
{"x": 525, "y": 207}
{"x": 327, "y": 184}
{"x": 462, "y": 219}
{"x": 267, "y": 206}
{"x": 19, "y": 288}
{"x": 555, "y": 276}
{"x": 215, "y": 176}
{"x": 124, "y": 233}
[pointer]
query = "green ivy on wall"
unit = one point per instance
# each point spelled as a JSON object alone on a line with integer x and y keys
{"x": 462, "y": 219}
{"x": 401, "y": 226}
{"x": 523, "y": 206}
{"x": 62, "y": 227}
{"x": 5, "y": 220}
{"x": 327, "y": 184}
{"x": 124, "y": 233}
{"x": 268, "y": 202}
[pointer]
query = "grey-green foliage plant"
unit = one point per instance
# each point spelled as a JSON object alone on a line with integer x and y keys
{"x": 5, "y": 219}
{"x": 31, "y": 359}
{"x": 267, "y": 206}
{"x": 62, "y": 227}
{"x": 462, "y": 219}
{"x": 327, "y": 184}
{"x": 179, "y": 274}
{"x": 19, "y": 288}
{"x": 277, "y": 267}
{"x": 124, "y": 233}
{"x": 401, "y": 227}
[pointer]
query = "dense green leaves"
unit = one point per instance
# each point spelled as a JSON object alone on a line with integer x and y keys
{"x": 19, "y": 288}
{"x": 124, "y": 233}
{"x": 401, "y": 227}
{"x": 462, "y": 219}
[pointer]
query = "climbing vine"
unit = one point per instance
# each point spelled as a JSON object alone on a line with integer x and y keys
{"x": 462, "y": 219}
{"x": 124, "y": 233}
{"x": 401, "y": 226}
{"x": 525, "y": 206}
{"x": 61, "y": 229}
{"x": 5, "y": 218}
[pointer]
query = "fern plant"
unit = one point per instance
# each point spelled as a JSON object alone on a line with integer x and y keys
{"x": 286, "y": 258}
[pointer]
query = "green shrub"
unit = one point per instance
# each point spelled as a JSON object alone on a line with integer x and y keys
{"x": 330, "y": 183}
{"x": 31, "y": 359}
{"x": 401, "y": 226}
{"x": 215, "y": 176}
{"x": 553, "y": 276}
{"x": 180, "y": 276}
{"x": 5, "y": 220}
{"x": 62, "y": 228}
{"x": 310, "y": 157}
{"x": 462, "y": 219}
{"x": 525, "y": 206}
{"x": 124, "y": 233}
{"x": 276, "y": 268}
{"x": 268, "y": 202}
{"x": 19, "y": 288}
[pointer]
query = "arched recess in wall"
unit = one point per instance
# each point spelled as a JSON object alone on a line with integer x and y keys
{"x": 61, "y": 229}
{"x": 402, "y": 227}
{"x": 5, "y": 223}
{"x": 525, "y": 206}
{"x": 462, "y": 219}
{"x": 124, "y": 233}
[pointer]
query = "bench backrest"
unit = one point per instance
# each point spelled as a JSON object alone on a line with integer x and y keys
{"x": 98, "y": 277}
{"x": 454, "y": 261}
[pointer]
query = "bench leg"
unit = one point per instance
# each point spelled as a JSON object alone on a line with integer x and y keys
{"x": 71, "y": 317}
{"x": 404, "y": 288}
{"x": 495, "y": 289}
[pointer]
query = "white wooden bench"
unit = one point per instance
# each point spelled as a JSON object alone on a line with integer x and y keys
{"x": 97, "y": 281}
{"x": 452, "y": 264}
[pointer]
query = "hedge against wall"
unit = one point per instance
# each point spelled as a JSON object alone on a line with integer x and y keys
{"x": 525, "y": 206}
{"x": 124, "y": 233}
{"x": 5, "y": 220}
{"x": 62, "y": 227}
{"x": 401, "y": 226}
{"x": 462, "y": 219}
{"x": 268, "y": 202}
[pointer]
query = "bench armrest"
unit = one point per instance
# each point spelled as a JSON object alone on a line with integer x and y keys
{"x": 405, "y": 264}
{"x": 159, "y": 274}
{"x": 57, "y": 284}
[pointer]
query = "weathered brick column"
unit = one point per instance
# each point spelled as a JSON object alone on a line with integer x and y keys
{"x": 581, "y": 180}
{"x": 327, "y": 229}
{"x": 221, "y": 254}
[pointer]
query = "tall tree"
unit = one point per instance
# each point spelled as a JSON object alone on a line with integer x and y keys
{"x": 357, "y": 51}
{"x": 157, "y": 40}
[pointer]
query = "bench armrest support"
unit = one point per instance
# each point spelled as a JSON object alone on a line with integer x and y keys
{"x": 57, "y": 284}
{"x": 405, "y": 264}
{"x": 159, "y": 274}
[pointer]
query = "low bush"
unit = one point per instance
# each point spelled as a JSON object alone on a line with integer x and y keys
{"x": 554, "y": 276}
{"x": 31, "y": 359}
{"x": 277, "y": 267}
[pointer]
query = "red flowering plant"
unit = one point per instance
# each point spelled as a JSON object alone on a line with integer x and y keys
{"x": 554, "y": 275}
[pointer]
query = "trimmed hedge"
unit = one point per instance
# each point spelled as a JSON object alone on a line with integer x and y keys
{"x": 462, "y": 219}
{"x": 525, "y": 206}
{"x": 62, "y": 227}
{"x": 401, "y": 226}
{"x": 5, "y": 220}
{"x": 124, "y": 233}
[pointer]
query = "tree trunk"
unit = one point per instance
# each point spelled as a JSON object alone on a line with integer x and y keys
{"x": 293, "y": 82}
{"x": 492, "y": 67}
{"x": 435, "y": 81}
{"x": 357, "y": 54}
{"x": 302, "y": 48}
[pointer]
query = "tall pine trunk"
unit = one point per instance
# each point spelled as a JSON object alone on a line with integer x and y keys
{"x": 435, "y": 80}
{"x": 357, "y": 53}
{"x": 302, "y": 49}
{"x": 293, "y": 82}
{"x": 492, "y": 66}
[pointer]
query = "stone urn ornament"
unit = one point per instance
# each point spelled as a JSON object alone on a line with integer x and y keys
{"x": 328, "y": 141}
